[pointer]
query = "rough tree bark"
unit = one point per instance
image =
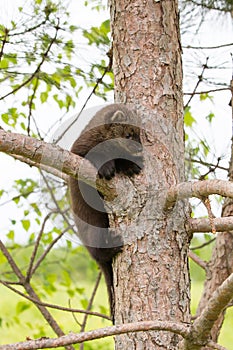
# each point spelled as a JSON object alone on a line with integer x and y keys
{"x": 151, "y": 275}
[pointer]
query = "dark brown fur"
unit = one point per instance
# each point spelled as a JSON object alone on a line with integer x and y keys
{"x": 121, "y": 155}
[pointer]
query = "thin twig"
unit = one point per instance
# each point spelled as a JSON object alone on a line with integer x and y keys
{"x": 4, "y": 41}
{"x": 203, "y": 245}
{"x": 99, "y": 80}
{"x": 90, "y": 306}
{"x": 73, "y": 338}
{"x": 206, "y": 47}
{"x": 198, "y": 260}
{"x": 200, "y": 78}
{"x": 30, "y": 105}
{"x": 44, "y": 57}
{"x": 206, "y": 92}
{"x": 211, "y": 217}
{"x": 31, "y": 29}
{"x": 47, "y": 250}
{"x": 48, "y": 169}
{"x": 207, "y": 164}
{"x": 48, "y": 317}
{"x": 215, "y": 305}
{"x": 51, "y": 306}
{"x": 30, "y": 270}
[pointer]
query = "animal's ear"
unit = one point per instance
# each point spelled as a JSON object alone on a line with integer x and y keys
{"x": 119, "y": 117}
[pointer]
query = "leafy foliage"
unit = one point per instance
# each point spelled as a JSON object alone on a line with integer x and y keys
{"x": 39, "y": 66}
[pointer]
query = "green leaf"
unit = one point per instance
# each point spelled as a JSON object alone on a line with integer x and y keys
{"x": 11, "y": 235}
{"x": 84, "y": 303}
{"x": 66, "y": 280}
{"x": 105, "y": 27}
{"x": 26, "y": 224}
{"x": 210, "y": 117}
{"x": 4, "y": 64}
{"x": 10, "y": 118}
{"x": 68, "y": 48}
{"x": 22, "y": 306}
{"x": 98, "y": 36}
{"x": 36, "y": 208}
{"x": 204, "y": 96}
{"x": 60, "y": 103}
{"x": 12, "y": 58}
{"x": 23, "y": 126}
{"x": 205, "y": 147}
{"x": 31, "y": 238}
{"x": 80, "y": 290}
{"x": 73, "y": 28}
{"x": 70, "y": 292}
{"x": 16, "y": 199}
{"x": 188, "y": 118}
{"x": 44, "y": 96}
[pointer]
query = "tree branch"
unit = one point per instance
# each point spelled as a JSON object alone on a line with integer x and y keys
{"x": 203, "y": 224}
{"x": 89, "y": 306}
{"x": 51, "y": 306}
{"x": 198, "y": 189}
{"x": 200, "y": 78}
{"x": 46, "y": 168}
{"x": 206, "y": 47}
{"x": 198, "y": 260}
{"x": 34, "y": 74}
{"x": 40, "y": 152}
{"x": 204, "y": 323}
{"x": 23, "y": 281}
{"x": 72, "y": 338}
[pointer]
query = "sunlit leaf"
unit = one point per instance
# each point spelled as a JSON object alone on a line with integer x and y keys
{"x": 26, "y": 224}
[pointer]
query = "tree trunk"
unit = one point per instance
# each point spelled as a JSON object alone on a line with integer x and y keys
{"x": 151, "y": 274}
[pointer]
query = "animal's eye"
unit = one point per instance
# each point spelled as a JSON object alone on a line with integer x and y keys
{"x": 128, "y": 136}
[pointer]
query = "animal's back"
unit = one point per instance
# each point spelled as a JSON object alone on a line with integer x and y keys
{"x": 110, "y": 132}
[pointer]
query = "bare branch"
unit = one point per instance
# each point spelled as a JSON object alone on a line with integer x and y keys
{"x": 84, "y": 323}
{"x": 206, "y": 202}
{"x": 200, "y": 78}
{"x": 36, "y": 246}
{"x": 207, "y": 47}
{"x": 207, "y": 164}
{"x": 46, "y": 168}
{"x": 30, "y": 105}
{"x": 197, "y": 260}
{"x": 12, "y": 263}
{"x": 89, "y": 306}
{"x": 203, "y": 224}
{"x": 204, "y": 323}
{"x": 99, "y": 81}
{"x": 47, "y": 250}
{"x": 72, "y": 338}
{"x": 48, "y": 317}
{"x": 40, "y": 152}
{"x": 198, "y": 189}
{"x": 4, "y": 41}
{"x": 52, "y": 306}
{"x": 215, "y": 346}
{"x": 203, "y": 244}
{"x": 34, "y": 74}
{"x": 206, "y": 91}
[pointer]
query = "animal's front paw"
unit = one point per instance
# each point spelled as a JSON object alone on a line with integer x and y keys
{"x": 107, "y": 170}
{"x": 129, "y": 167}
